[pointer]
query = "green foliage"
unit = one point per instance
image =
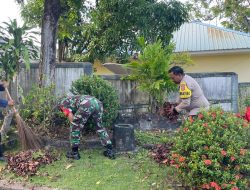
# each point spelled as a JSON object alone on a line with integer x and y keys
{"x": 17, "y": 48}
{"x": 38, "y": 106}
{"x": 32, "y": 12}
{"x": 71, "y": 27}
{"x": 111, "y": 27}
{"x": 247, "y": 101}
{"x": 71, "y": 30}
{"x": 181, "y": 59}
{"x": 233, "y": 13}
{"x": 103, "y": 91}
{"x": 150, "y": 70}
{"x": 116, "y": 25}
{"x": 152, "y": 137}
{"x": 80, "y": 57}
{"x": 38, "y": 154}
{"x": 211, "y": 151}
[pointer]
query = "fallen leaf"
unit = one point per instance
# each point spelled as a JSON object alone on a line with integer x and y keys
{"x": 1, "y": 168}
{"x": 98, "y": 182}
{"x": 26, "y": 163}
{"x": 68, "y": 166}
{"x": 146, "y": 177}
{"x": 164, "y": 161}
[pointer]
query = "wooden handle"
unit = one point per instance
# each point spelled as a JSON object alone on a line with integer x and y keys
{"x": 9, "y": 97}
{"x": 8, "y": 94}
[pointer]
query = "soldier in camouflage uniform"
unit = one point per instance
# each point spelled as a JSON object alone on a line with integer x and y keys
{"x": 78, "y": 109}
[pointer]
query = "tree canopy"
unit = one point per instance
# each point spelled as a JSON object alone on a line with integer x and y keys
{"x": 111, "y": 27}
{"x": 233, "y": 14}
{"x": 116, "y": 24}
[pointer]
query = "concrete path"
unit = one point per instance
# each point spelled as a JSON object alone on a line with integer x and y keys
{"x": 4, "y": 184}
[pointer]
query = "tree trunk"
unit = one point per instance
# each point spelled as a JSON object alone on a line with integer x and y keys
{"x": 246, "y": 21}
{"x": 61, "y": 49}
{"x": 48, "y": 42}
{"x": 96, "y": 3}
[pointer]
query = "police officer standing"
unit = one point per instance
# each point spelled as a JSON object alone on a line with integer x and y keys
{"x": 191, "y": 96}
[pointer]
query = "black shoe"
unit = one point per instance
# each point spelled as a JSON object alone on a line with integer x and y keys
{"x": 1, "y": 149}
{"x": 73, "y": 155}
{"x": 2, "y": 158}
{"x": 109, "y": 153}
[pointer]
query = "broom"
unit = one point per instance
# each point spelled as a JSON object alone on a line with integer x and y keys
{"x": 28, "y": 138}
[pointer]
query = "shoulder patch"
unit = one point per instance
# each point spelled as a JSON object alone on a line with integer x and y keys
{"x": 184, "y": 91}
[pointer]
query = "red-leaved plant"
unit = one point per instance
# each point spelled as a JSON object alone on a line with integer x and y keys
{"x": 210, "y": 152}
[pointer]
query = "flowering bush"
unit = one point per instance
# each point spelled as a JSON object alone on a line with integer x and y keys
{"x": 247, "y": 112}
{"x": 210, "y": 151}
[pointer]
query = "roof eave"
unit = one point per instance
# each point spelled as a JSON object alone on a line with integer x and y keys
{"x": 218, "y": 52}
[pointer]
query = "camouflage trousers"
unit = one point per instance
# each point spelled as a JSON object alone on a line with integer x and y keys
{"x": 87, "y": 109}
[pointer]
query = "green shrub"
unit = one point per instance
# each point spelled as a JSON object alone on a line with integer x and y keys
{"x": 150, "y": 71}
{"x": 247, "y": 101}
{"x": 80, "y": 58}
{"x": 210, "y": 152}
{"x": 102, "y": 90}
{"x": 152, "y": 137}
{"x": 38, "y": 106}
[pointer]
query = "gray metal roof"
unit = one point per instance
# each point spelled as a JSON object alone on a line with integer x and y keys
{"x": 200, "y": 37}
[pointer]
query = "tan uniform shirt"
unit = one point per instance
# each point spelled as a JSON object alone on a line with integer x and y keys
{"x": 191, "y": 96}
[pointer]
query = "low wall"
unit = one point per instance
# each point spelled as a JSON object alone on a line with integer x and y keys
{"x": 219, "y": 88}
{"x": 244, "y": 92}
{"x": 65, "y": 74}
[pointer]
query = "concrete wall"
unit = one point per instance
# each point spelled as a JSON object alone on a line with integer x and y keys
{"x": 127, "y": 90}
{"x": 65, "y": 74}
{"x": 220, "y": 89}
{"x": 244, "y": 92}
{"x": 238, "y": 63}
{"x": 99, "y": 69}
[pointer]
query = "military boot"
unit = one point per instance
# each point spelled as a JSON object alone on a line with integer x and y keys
{"x": 109, "y": 152}
{"x": 1, "y": 150}
{"x": 73, "y": 154}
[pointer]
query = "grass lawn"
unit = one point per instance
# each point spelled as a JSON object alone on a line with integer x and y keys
{"x": 94, "y": 171}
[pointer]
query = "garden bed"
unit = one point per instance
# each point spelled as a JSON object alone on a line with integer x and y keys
{"x": 147, "y": 121}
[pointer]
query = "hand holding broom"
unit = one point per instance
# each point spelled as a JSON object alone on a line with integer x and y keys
{"x": 27, "y": 137}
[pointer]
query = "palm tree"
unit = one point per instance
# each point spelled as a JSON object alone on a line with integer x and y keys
{"x": 16, "y": 48}
{"x": 150, "y": 71}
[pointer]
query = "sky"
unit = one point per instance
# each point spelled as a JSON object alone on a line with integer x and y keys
{"x": 9, "y": 10}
